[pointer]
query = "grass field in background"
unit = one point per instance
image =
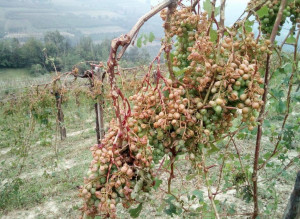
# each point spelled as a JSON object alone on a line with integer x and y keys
{"x": 12, "y": 73}
{"x": 12, "y": 80}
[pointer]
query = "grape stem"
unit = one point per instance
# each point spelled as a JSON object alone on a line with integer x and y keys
{"x": 222, "y": 167}
{"x": 241, "y": 163}
{"x": 222, "y": 17}
{"x": 213, "y": 3}
{"x": 287, "y": 36}
{"x": 195, "y": 3}
{"x": 250, "y": 12}
{"x": 262, "y": 112}
{"x": 168, "y": 47}
{"x": 284, "y": 169}
{"x": 125, "y": 41}
{"x": 288, "y": 104}
{"x": 210, "y": 196}
{"x": 172, "y": 161}
{"x": 208, "y": 92}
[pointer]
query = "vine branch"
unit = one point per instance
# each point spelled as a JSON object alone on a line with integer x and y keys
{"x": 260, "y": 119}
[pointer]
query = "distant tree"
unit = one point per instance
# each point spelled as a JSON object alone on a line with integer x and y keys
{"x": 132, "y": 55}
{"x": 54, "y": 64}
{"x": 55, "y": 43}
{"x": 10, "y": 53}
{"x": 57, "y": 50}
{"x": 85, "y": 49}
{"x": 104, "y": 49}
{"x": 15, "y": 49}
{"x": 32, "y": 52}
{"x": 4, "y": 54}
{"x": 37, "y": 69}
{"x": 70, "y": 60}
{"x": 136, "y": 55}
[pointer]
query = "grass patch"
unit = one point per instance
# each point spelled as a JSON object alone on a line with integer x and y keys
{"x": 12, "y": 73}
{"x": 12, "y": 80}
{"x": 59, "y": 179}
{"x": 17, "y": 194}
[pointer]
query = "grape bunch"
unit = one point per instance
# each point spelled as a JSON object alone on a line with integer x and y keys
{"x": 118, "y": 173}
{"x": 164, "y": 115}
{"x": 184, "y": 23}
{"x": 222, "y": 85}
{"x": 292, "y": 11}
{"x": 231, "y": 83}
{"x": 218, "y": 82}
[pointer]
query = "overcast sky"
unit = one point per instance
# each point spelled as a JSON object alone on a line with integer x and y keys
{"x": 234, "y": 8}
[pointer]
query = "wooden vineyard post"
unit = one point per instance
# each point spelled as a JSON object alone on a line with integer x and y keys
{"x": 93, "y": 75}
{"x": 60, "y": 116}
{"x": 99, "y": 120}
{"x": 99, "y": 111}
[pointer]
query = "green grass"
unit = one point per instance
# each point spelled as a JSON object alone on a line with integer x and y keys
{"x": 11, "y": 73}
{"x": 44, "y": 174}
{"x": 32, "y": 179}
{"x": 14, "y": 80}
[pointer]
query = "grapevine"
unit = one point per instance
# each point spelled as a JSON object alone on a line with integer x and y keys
{"x": 215, "y": 82}
{"x": 205, "y": 130}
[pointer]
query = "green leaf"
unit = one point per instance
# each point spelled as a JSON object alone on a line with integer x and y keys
{"x": 288, "y": 68}
{"x": 263, "y": 11}
{"x": 241, "y": 135}
{"x": 248, "y": 25}
{"x": 296, "y": 96}
{"x": 278, "y": 93}
{"x": 139, "y": 42}
{"x": 198, "y": 194}
{"x": 190, "y": 177}
{"x": 171, "y": 56}
{"x": 166, "y": 93}
{"x": 166, "y": 164}
{"x": 213, "y": 35}
{"x": 135, "y": 212}
{"x": 281, "y": 107}
{"x": 161, "y": 207}
{"x": 291, "y": 40}
{"x": 247, "y": 157}
{"x": 267, "y": 123}
{"x": 267, "y": 155}
{"x": 145, "y": 39}
{"x": 232, "y": 209}
{"x": 157, "y": 183}
{"x": 213, "y": 149}
{"x": 207, "y": 6}
{"x": 151, "y": 37}
{"x": 217, "y": 11}
{"x": 172, "y": 208}
{"x": 178, "y": 71}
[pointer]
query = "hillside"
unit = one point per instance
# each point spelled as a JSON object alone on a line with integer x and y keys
{"x": 98, "y": 19}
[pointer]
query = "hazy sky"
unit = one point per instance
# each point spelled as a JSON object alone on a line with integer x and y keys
{"x": 108, "y": 13}
{"x": 234, "y": 8}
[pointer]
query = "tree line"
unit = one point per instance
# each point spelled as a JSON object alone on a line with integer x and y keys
{"x": 41, "y": 55}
